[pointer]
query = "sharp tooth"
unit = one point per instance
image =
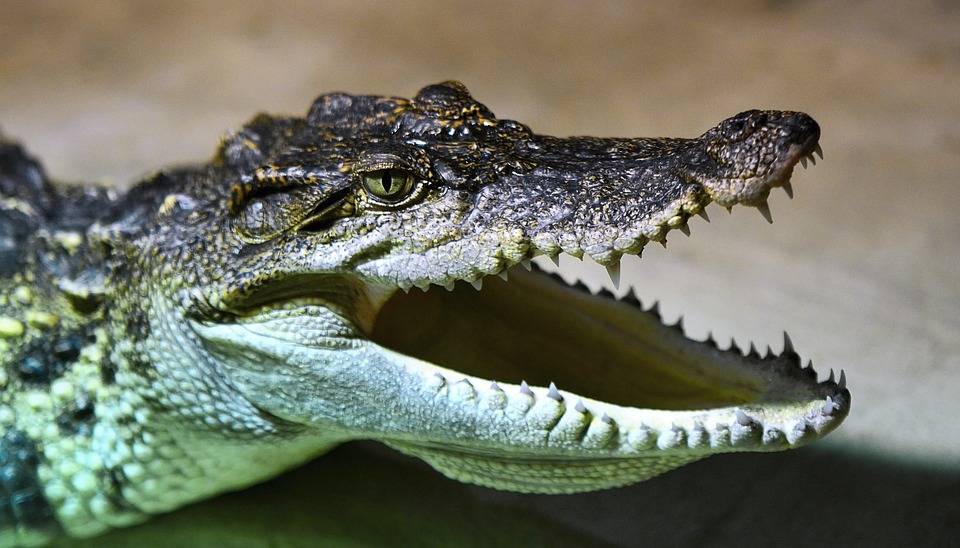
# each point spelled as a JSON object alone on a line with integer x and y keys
{"x": 555, "y": 259}
{"x": 436, "y": 381}
{"x": 526, "y": 264}
{"x": 580, "y": 407}
{"x": 813, "y": 159}
{"x": 788, "y": 188}
{"x": 743, "y": 419}
{"x": 842, "y": 383}
{"x": 495, "y": 386}
{"x": 449, "y": 285}
{"x": 734, "y": 347}
{"x": 424, "y": 286}
{"x": 830, "y": 379}
{"x": 703, "y": 213}
{"x": 606, "y": 418}
{"x": 525, "y": 389}
{"x": 818, "y": 151}
{"x": 663, "y": 242}
{"x": 553, "y": 393}
{"x": 828, "y": 406}
{"x": 803, "y": 160}
{"x": 614, "y": 272}
{"x": 729, "y": 209}
{"x": 503, "y": 275}
{"x": 764, "y": 210}
{"x": 685, "y": 229}
{"x": 477, "y": 284}
{"x": 787, "y": 344}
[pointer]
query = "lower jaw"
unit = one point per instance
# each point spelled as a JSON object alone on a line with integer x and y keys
{"x": 535, "y": 337}
{"x": 635, "y": 398}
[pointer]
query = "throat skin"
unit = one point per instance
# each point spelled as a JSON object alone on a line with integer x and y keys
{"x": 339, "y": 276}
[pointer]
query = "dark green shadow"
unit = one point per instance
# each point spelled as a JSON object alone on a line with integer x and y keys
{"x": 365, "y": 495}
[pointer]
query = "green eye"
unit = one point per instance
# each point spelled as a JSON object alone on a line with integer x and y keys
{"x": 389, "y": 185}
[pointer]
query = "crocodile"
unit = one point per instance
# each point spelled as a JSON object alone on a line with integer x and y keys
{"x": 364, "y": 272}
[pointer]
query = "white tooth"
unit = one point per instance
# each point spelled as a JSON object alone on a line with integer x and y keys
{"x": 553, "y": 393}
{"x": 788, "y": 188}
{"x": 436, "y": 381}
{"x": 828, "y": 406}
{"x": 580, "y": 407}
{"x": 525, "y": 389}
{"x": 449, "y": 285}
{"x": 526, "y": 264}
{"x": 477, "y": 284}
{"x": 614, "y": 272}
{"x": 503, "y": 275}
{"x": 803, "y": 161}
{"x": 819, "y": 151}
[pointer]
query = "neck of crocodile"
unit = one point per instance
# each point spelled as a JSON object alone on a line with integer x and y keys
{"x": 78, "y": 376}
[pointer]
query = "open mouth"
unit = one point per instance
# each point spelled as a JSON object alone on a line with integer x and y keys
{"x": 523, "y": 383}
{"x": 539, "y": 336}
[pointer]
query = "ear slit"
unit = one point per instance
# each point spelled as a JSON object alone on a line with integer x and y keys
{"x": 320, "y": 219}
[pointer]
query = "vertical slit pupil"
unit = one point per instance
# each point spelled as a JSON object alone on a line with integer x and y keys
{"x": 387, "y": 182}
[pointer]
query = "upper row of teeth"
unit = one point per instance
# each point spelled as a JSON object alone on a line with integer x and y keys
{"x": 810, "y": 156}
{"x": 613, "y": 267}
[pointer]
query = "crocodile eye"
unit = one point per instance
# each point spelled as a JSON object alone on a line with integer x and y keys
{"x": 389, "y": 185}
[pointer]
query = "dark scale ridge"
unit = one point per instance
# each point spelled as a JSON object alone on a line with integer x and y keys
{"x": 22, "y": 503}
{"x": 44, "y": 359}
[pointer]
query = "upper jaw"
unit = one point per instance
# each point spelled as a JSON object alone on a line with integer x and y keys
{"x": 503, "y": 243}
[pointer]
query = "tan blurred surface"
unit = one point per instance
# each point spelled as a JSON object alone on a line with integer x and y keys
{"x": 862, "y": 268}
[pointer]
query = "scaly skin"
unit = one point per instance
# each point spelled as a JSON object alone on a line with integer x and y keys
{"x": 217, "y": 324}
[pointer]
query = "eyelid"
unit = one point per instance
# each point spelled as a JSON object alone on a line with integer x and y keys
{"x": 271, "y": 178}
{"x": 381, "y": 161}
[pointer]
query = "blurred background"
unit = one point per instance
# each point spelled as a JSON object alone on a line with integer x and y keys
{"x": 862, "y": 268}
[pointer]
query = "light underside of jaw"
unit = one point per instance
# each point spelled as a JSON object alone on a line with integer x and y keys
{"x": 603, "y": 368}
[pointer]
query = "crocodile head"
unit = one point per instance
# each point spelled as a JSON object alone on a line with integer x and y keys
{"x": 352, "y": 280}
